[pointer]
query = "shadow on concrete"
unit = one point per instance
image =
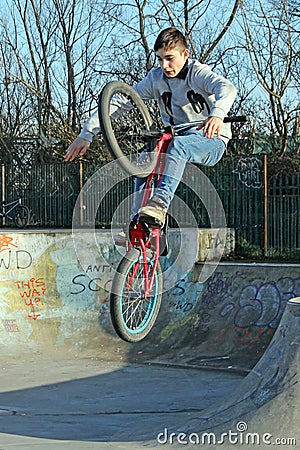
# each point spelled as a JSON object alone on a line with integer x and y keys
{"x": 140, "y": 399}
{"x": 115, "y": 403}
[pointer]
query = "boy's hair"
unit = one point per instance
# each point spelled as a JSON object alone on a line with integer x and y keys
{"x": 169, "y": 38}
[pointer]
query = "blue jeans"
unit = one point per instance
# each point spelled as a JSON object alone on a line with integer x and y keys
{"x": 192, "y": 147}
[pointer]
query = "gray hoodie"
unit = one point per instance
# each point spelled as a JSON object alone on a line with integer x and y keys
{"x": 195, "y": 94}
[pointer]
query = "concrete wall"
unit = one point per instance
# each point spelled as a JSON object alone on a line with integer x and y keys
{"x": 54, "y": 296}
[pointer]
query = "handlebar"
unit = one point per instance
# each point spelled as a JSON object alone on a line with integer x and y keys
{"x": 242, "y": 119}
{"x": 187, "y": 125}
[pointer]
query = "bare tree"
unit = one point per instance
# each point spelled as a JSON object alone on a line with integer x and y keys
{"x": 194, "y": 17}
{"x": 52, "y": 60}
{"x": 139, "y": 21}
{"x": 270, "y": 42}
{"x": 55, "y": 55}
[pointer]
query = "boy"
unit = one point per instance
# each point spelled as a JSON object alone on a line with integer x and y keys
{"x": 186, "y": 91}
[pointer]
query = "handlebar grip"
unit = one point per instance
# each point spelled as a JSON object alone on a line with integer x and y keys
{"x": 151, "y": 133}
{"x": 235, "y": 119}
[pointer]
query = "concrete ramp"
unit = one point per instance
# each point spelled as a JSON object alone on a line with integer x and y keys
{"x": 264, "y": 409}
{"x": 220, "y": 367}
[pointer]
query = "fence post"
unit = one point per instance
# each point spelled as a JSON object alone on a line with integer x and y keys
{"x": 3, "y": 187}
{"x": 3, "y": 182}
{"x": 266, "y": 210}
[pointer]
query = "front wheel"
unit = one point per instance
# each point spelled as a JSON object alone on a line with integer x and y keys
{"x": 125, "y": 120}
{"x": 21, "y": 216}
{"x": 133, "y": 313}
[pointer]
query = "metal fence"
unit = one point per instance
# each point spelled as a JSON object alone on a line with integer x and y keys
{"x": 283, "y": 213}
{"x": 264, "y": 210}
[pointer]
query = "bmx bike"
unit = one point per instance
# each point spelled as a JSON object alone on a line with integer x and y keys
{"x": 137, "y": 285}
{"x": 16, "y": 212}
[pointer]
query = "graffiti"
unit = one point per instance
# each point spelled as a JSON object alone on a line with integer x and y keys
{"x": 216, "y": 286}
{"x": 215, "y": 292}
{"x": 201, "y": 320}
{"x": 260, "y": 306}
{"x": 32, "y": 292}
{"x": 182, "y": 294}
{"x": 245, "y": 336}
{"x": 182, "y": 306}
{"x": 239, "y": 305}
{"x": 95, "y": 268}
{"x": 272, "y": 355}
{"x": 180, "y": 287}
{"x": 64, "y": 188}
{"x": 21, "y": 259}
{"x": 101, "y": 282}
{"x": 215, "y": 240}
{"x": 10, "y": 325}
{"x": 6, "y": 242}
{"x": 289, "y": 287}
{"x": 254, "y": 310}
{"x": 212, "y": 243}
{"x": 249, "y": 171}
{"x": 84, "y": 282}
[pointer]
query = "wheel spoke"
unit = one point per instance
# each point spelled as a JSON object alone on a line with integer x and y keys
{"x": 136, "y": 308}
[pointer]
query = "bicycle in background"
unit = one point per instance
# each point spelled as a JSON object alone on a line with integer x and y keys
{"x": 16, "y": 212}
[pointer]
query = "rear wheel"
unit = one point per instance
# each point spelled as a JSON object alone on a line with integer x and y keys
{"x": 21, "y": 216}
{"x": 124, "y": 131}
{"x": 133, "y": 313}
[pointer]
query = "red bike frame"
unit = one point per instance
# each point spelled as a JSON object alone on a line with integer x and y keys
{"x": 138, "y": 236}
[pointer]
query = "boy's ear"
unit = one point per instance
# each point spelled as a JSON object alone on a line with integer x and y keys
{"x": 186, "y": 53}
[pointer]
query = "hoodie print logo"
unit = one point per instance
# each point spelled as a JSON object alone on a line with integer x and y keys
{"x": 198, "y": 102}
{"x": 167, "y": 99}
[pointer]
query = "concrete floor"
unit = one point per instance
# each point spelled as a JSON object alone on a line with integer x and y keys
{"x": 221, "y": 353}
{"x": 91, "y": 404}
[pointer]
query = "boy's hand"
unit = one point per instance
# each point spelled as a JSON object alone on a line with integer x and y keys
{"x": 78, "y": 147}
{"x": 212, "y": 125}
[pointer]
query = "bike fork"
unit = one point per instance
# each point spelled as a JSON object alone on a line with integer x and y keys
{"x": 149, "y": 281}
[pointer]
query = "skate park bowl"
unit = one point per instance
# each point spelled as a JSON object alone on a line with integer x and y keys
{"x": 220, "y": 367}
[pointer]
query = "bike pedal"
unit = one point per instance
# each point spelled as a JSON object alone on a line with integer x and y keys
{"x": 137, "y": 232}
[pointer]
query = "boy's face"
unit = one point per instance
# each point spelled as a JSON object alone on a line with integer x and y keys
{"x": 172, "y": 60}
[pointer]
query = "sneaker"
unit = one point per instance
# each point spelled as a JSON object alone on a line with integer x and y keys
{"x": 154, "y": 213}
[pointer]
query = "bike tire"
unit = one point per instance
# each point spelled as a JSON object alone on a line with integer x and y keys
{"x": 132, "y": 315}
{"x": 122, "y": 134}
{"x": 21, "y": 216}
